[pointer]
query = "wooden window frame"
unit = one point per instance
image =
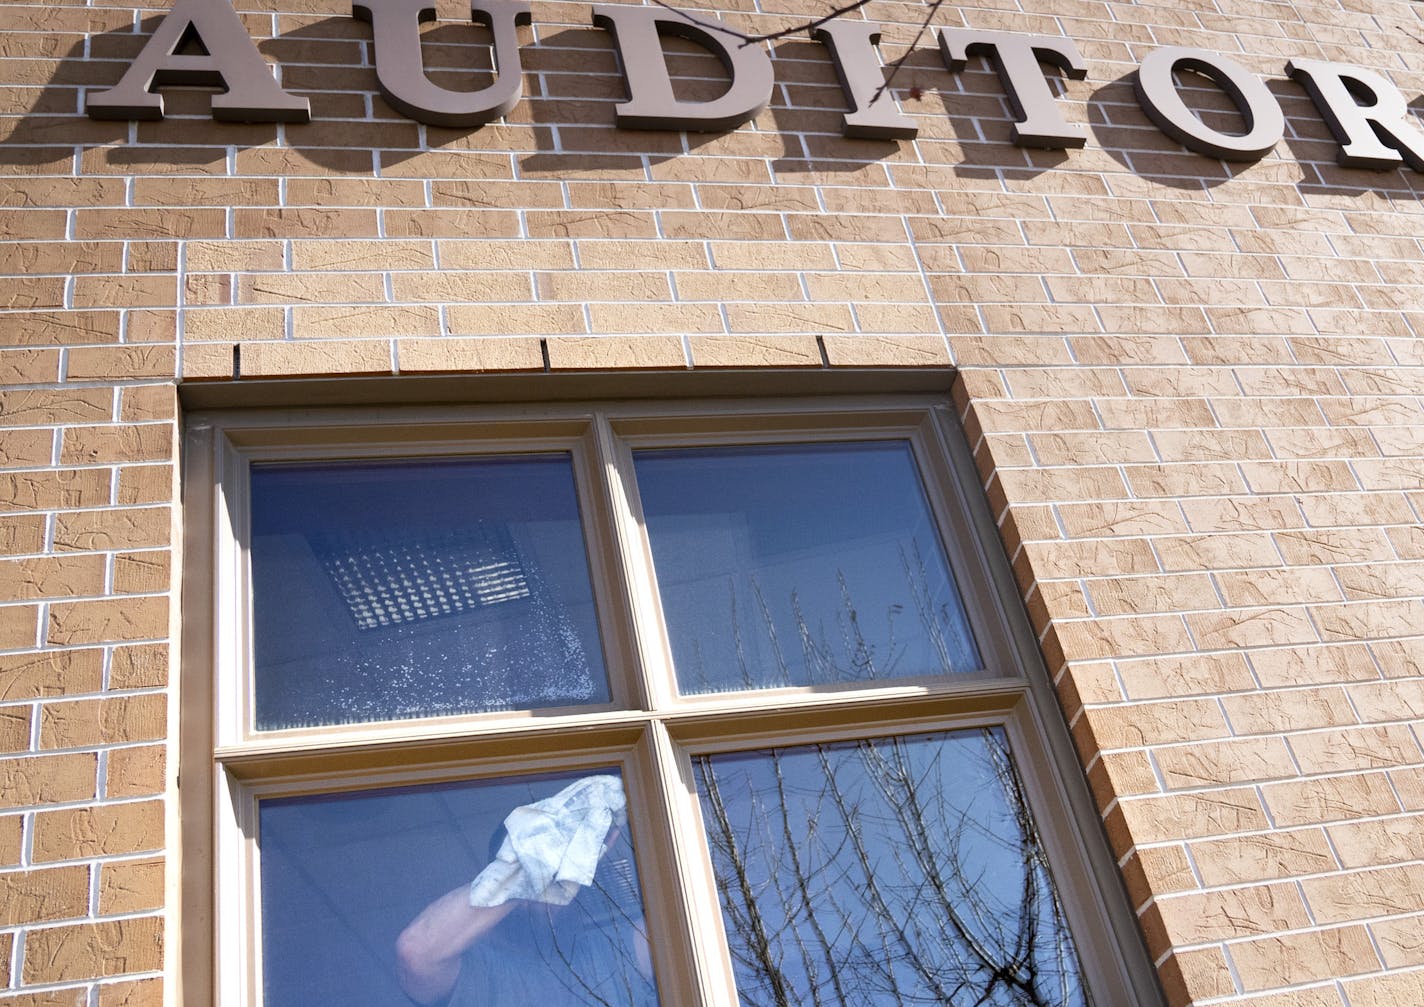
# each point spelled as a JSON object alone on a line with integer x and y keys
{"x": 648, "y": 731}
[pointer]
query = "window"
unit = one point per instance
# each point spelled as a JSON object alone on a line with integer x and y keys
{"x": 625, "y": 705}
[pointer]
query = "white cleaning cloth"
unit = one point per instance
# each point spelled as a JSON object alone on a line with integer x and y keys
{"x": 554, "y": 845}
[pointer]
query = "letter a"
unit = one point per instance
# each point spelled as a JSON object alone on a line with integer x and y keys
{"x": 400, "y": 69}
{"x": 228, "y": 60}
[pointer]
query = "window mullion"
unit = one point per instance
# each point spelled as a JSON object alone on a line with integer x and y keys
{"x": 695, "y": 965}
{"x": 630, "y": 542}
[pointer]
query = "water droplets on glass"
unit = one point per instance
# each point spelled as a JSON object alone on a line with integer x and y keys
{"x": 394, "y": 589}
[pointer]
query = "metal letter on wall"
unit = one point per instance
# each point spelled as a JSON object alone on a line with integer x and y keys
{"x": 400, "y": 67}
{"x": 1377, "y": 134}
{"x": 1016, "y": 58}
{"x": 1157, "y": 93}
{"x": 228, "y": 60}
{"x": 873, "y": 115}
{"x": 651, "y": 103}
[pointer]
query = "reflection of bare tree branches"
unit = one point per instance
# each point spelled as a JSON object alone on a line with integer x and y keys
{"x": 590, "y": 947}
{"x": 896, "y": 870}
{"x": 853, "y": 875}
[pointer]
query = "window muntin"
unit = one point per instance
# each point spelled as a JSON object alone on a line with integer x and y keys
{"x": 386, "y": 590}
{"x": 885, "y": 871}
{"x": 800, "y": 565}
{"x": 651, "y": 729}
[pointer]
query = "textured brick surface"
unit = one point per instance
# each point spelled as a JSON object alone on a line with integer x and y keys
{"x": 1193, "y": 391}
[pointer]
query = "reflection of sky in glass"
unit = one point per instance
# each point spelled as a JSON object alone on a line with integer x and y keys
{"x": 885, "y": 872}
{"x": 385, "y": 590}
{"x": 344, "y": 874}
{"x": 800, "y": 565}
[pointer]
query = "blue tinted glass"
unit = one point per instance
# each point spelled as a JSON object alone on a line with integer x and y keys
{"x": 386, "y": 590}
{"x": 800, "y": 565}
{"x": 382, "y": 897}
{"x": 885, "y": 872}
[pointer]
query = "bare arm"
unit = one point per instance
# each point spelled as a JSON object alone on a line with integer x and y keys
{"x": 428, "y": 950}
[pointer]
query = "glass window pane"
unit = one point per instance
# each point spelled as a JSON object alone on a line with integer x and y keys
{"x": 385, "y": 590}
{"x": 885, "y": 872}
{"x": 800, "y": 565}
{"x": 419, "y": 893}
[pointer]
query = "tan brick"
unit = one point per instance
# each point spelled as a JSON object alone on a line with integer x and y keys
{"x": 47, "y": 778}
{"x": 751, "y": 351}
{"x": 108, "y": 621}
{"x": 207, "y": 362}
{"x": 885, "y": 351}
{"x": 140, "y": 993}
{"x": 1401, "y": 942}
{"x": 1173, "y": 677}
{"x": 142, "y": 666}
{"x": 1339, "y": 749}
{"x": 87, "y": 722}
{"x": 1156, "y": 870}
{"x": 1192, "y": 976}
{"x": 316, "y": 359}
{"x": 40, "y": 896}
{"x": 1258, "y": 627}
{"x": 1221, "y": 915}
{"x": 1237, "y": 761}
{"x": 146, "y": 484}
{"x": 309, "y": 288}
{"x": 1262, "y": 857}
{"x": 92, "y": 363}
{"x": 1330, "y": 799}
{"x": 12, "y": 838}
{"x": 351, "y": 254}
{"x": 234, "y": 256}
{"x": 36, "y": 406}
{"x": 1293, "y": 710}
{"x": 1187, "y": 816}
{"x": 1118, "y": 517}
{"x": 18, "y": 626}
{"x": 455, "y": 355}
{"x": 148, "y": 402}
{"x": 117, "y": 947}
{"x": 25, "y": 448}
{"x": 21, "y": 533}
{"x": 657, "y": 352}
{"x": 136, "y": 772}
{"x": 112, "y": 444}
{"x": 1386, "y": 891}
{"x": 644, "y": 319}
{"x": 1299, "y": 958}
{"x": 29, "y": 366}
{"x": 223, "y": 325}
{"x": 130, "y": 886}
{"x": 14, "y": 729}
{"x": 98, "y": 831}
{"x": 49, "y": 673}
{"x": 126, "y": 528}
{"x": 51, "y": 577}
{"x": 142, "y": 572}
{"x": 360, "y": 321}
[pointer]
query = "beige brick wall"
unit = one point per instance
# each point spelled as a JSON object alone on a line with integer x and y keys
{"x": 1193, "y": 389}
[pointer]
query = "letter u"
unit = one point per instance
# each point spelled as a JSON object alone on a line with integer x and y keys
{"x": 400, "y": 68}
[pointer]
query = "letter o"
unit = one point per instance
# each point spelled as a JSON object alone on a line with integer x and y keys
{"x": 1157, "y": 94}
